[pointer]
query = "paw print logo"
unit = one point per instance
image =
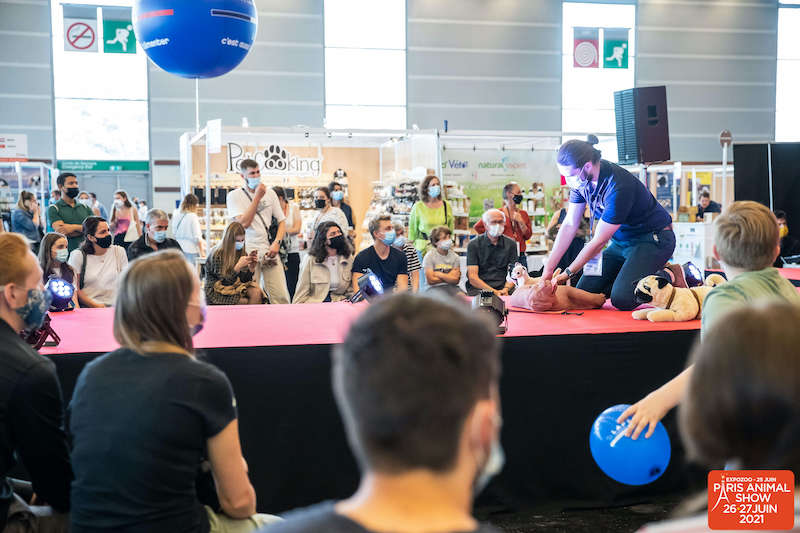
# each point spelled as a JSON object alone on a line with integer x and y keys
{"x": 276, "y": 158}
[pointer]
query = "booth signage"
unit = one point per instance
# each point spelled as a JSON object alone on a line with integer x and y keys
{"x": 275, "y": 161}
{"x": 13, "y": 147}
{"x": 112, "y": 166}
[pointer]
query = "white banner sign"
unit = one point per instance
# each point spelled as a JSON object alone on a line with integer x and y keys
{"x": 13, "y": 147}
{"x": 275, "y": 161}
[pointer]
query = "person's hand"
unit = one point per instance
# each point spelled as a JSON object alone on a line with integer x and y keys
{"x": 243, "y": 262}
{"x": 518, "y": 217}
{"x": 559, "y": 278}
{"x": 274, "y": 249}
{"x": 547, "y": 273}
{"x": 261, "y": 190}
{"x": 645, "y": 413}
{"x": 501, "y": 292}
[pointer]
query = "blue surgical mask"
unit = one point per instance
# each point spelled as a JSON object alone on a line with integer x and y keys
{"x": 35, "y": 309}
{"x": 434, "y": 191}
{"x": 239, "y": 245}
{"x": 388, "y": 238}
{"x": 445, "y": 245}
{"x": 252, "y": 183}
{"x": 399, "y": 242}
{"x": 337, "y": 196}
{"x": 160, "y": 236}
{"x": 494, "y": 464}
{"x": 62, "y": 255}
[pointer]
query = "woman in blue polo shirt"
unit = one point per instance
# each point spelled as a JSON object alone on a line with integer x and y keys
{"x": 624, "y": 215}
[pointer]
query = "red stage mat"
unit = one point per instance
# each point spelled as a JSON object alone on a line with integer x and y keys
{"x": 792, "y": 274}
{"x": 90, "y": 330}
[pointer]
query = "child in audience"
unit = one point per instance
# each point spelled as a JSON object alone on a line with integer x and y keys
{"x": 53, "y": 255}
{"x": 442, "y": 265}
{"x": 746, "y": 245}
{"x": 742, "y": 398}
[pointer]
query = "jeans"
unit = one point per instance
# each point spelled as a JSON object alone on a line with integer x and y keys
{"x": 292, "y": 272}
{"x": 626, "y": 262}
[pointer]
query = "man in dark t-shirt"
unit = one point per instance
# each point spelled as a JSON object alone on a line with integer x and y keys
{"x": 386, "y": 262}
{"x": 416, "y": 382}
{"x": 489, "y": 256}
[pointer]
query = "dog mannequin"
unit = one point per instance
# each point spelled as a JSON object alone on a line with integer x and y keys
{"x": 672, "y": 304}
{"x": 542, "y": 296}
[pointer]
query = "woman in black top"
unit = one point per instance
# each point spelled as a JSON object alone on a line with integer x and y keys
{"x": 145, "y": 417}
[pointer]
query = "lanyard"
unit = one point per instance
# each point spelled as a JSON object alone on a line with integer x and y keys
{"x": 592, "y": 206}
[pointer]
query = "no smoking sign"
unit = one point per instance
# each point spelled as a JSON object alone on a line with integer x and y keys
{"x": 80, "y": 35}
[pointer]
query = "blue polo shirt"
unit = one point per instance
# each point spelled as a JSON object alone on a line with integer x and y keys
{"x": 620, "y": 198}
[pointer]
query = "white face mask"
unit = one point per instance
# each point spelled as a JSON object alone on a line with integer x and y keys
{"x": 495, "y": 230}
{"x": 445, "y": 245}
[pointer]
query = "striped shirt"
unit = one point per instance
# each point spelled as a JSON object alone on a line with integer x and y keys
{"x": 746, "y": 288}
{"x": 412, "y": 257}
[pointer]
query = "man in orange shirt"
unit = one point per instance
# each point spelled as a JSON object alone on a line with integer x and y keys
{"x": 518, "y": 223}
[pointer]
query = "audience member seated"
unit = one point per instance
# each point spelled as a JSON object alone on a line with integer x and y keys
{"x": 31, "y": 430}
{"x": 518, "y": 223}
{"x": 26, "y": 219}
{"x": 442, "y": 265}
{"x": 740, "y": 409}
{"x": 186, "y": 228}
{"x": 746, "y": 245}
{"x": 386, "y": 262}
{"x": 154, "y": 238}
{"x": 145, "y": 418}
{"x": 412, "y": 257}
{"x": 489, "y": 255}
{"x": 230, "y": 271}
{"x": 327, "y": 270}
{"x": 327, "y": 213}
{"x": 707, "y": 205}
{"x": 85, "y": 199}
{"x": 125, "y": 222}
{"x": 66, "y": 216}
{"x": 53, "y": 256}
{"x": 789, "y": 245}
{"x": 422, "y": 417}
{"x": 98, "y": 264}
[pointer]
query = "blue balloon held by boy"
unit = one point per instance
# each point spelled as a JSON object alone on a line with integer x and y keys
{"x": 632, "y": 462}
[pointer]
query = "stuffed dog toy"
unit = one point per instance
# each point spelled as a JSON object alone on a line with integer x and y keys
{"x": 542, "y": 296}
{"x": 672, "y": 304}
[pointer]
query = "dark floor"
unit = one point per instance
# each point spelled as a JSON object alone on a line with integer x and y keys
{"x": 554, "y": 518}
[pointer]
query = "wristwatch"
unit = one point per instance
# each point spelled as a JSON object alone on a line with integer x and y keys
{"x": 568, "y": 272}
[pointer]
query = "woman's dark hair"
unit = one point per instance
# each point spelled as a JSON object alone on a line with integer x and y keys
{"x": 90, "y": 228}
{"x": 47, "y": 262}
{"x": 743, "y": 398}
{"x": 423, "y": 188}
{"x": 577, "y": 153}
{"x": 280, "y": 192}
{"x": 319, "y": 250}
{"x": 325, "y": 190}
{"x": 125, "y": 199}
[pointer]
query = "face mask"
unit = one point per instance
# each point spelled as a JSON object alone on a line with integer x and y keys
{"x": 337, "y": 243}
{"x": 783, "y": 231}
{"x": 239, "y": 245}
{"x": 35, "y": 309}
{"x": 62, "y": 255}
{"x": 492, "y": 467}
{"x": 160, "y": 236}
{"x": 118, "y": 204}
{"x": 252, "y": 183}
{"x": 399, "y": 242}
{"x": 72, "y": 192}
{"x": 388, "y": 237}
{"x": 104, "y": 242}
{"x": 434, "y": 191}
{"x": 197, "y": 328}
{"x": 320, "y": 204}
{"x": 445, "y": 245}
{"x": 495, "y": 230}
{"x": 337, "y": 196}
{"x": 85, "y": 201}
{"x": 517, "y": 198}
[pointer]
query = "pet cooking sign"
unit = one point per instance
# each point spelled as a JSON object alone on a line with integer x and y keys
{"x": 275, "y": 161}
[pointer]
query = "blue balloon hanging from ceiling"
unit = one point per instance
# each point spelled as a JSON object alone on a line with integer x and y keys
{"x": 196, "y": 38}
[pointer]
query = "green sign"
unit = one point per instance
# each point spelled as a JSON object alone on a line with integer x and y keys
{"x": 85, "y": 164}
{"x": 118, "y": 37}
{"x": 615, "y": 47}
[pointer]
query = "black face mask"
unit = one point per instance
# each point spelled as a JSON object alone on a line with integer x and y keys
{"x": 320, "y": 204}
{"x": 337, "y": 243}
{"x": 517, "y": 198}
{"x": 73, "y": 192}
{"x": 103, "y": 242}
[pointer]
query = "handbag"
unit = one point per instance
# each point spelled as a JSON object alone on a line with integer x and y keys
{"x": 133, "y": 231}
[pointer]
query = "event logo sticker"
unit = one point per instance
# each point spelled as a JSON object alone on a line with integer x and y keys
{"x": 751, "y": 499}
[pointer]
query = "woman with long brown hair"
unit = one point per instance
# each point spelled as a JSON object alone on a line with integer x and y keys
{"x": 145, "y": 417}
{"x": 327, "y": 270}
{"x": 431, "y": 211}
{"x": 53, "y": 255}
{"x": 124, "y": 221}
{"x": 229, "y": 271}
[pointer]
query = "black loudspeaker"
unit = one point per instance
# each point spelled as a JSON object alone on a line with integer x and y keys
{"x": 642, "y": 127}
